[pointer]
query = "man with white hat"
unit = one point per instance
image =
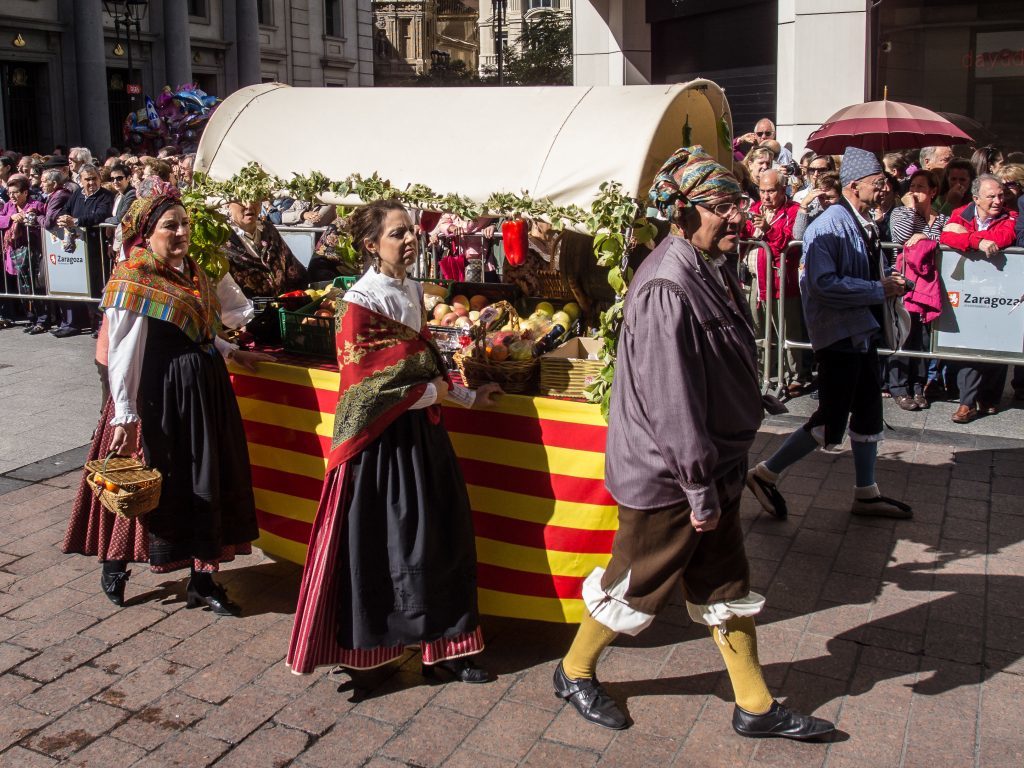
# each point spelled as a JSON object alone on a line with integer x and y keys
{"x": 844, "y": 285}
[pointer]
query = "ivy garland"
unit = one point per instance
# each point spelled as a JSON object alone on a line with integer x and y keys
{"x": 614, "y": 219}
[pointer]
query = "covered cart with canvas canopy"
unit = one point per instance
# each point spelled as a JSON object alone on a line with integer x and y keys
{"x": 534, "y": 466}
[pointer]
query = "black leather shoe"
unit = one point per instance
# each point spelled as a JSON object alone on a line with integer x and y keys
{"x": 217, "y": 600}
{"x": 767, "y": 495}
{"x": 779, "y": 722}
{"x": 63, "y": 333}
{"x": 112, "y": 585}
{"x": 464, "y": 670}
{"x": 589, "y": 699}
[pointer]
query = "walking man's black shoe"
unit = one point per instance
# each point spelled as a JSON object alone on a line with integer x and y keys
{"x": 779, "y": 722}
{"x": 589, "y": 699}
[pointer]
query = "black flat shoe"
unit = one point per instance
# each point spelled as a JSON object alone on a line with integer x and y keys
{"x": 35, "y": 330}
{"x": 589, "y": 699}
{"x": 113, "y": 584}
{"x": 767, "y": 495}
{"x": 217, "y": 601}
{"x": 63, "y": 333}
{"x": 779, "y": 722}
{"x": 464, "y": 670}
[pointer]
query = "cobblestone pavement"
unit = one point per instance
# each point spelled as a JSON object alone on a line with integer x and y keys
{"x": 908, "y": 634}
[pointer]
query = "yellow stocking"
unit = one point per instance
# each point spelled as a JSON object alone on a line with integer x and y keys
{"x": 738, "y": 646}
{"x": 592, "y": 638}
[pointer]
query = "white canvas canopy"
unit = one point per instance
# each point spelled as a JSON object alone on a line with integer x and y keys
{"x": 555, "y": 142}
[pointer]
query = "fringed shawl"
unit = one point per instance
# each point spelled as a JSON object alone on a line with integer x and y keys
{"x": 385, "y": 367}
{"x": 146, "y": 284}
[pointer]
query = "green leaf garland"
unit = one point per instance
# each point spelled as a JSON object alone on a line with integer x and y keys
{"x": 614, "y": 218}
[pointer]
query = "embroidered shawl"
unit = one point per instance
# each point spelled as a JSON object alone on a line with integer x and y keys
{"x": 146, "y": 284}
{"x": 385, "y": 367}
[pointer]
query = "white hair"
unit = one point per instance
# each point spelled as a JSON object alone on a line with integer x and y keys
{"x": 83, "y": 154}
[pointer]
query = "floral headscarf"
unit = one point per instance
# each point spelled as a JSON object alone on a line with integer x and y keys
{"x": 154, "y": 198}
{"x": 690, "y": 177}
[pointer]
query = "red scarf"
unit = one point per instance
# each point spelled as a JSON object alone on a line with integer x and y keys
{"x": 385, "y": 368}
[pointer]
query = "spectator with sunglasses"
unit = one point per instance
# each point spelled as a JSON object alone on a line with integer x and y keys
{"x": 121, "y": 182}
{"x": 817, "y": 167}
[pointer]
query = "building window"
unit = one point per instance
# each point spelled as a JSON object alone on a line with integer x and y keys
{"x": 198, "y": 9}
{"x": 405, "y": 38}
{"x": 265, "y": 12}
{"x": 332, "y": 18}
{"x": 533, "y": 4}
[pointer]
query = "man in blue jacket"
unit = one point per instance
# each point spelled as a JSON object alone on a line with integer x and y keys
{"x": 843, "y": 286}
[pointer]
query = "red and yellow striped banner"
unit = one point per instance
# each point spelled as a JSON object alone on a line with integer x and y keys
{"x": 534, "y": 468}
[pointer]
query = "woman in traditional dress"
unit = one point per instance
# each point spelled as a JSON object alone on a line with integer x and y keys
{"x": 167, "y": 372}
{"x": 392, "y": 558}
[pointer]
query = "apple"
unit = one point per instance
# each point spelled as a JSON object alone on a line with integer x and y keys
{"x": 473, "y": 315}
{"x": 544, "y": 308}
{"x": 478, "y": 302}
{"x": 562, "y": 319}
{"x": 520, "y": 350}
{"x": 460, "y": 310}
{"x": 572, "y": 309}
{"x": 463, "y": 322}
{"x": 504, "y": 338}
{"x": 449, "y": 319}
{"x": 499, "y": 352}
{"x": 461, "y": 301}
{"x": 440, "y": 311}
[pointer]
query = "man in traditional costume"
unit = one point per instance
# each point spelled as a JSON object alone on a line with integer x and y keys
{"x": 685, "y": 410}
{"x": 844, "y": 288}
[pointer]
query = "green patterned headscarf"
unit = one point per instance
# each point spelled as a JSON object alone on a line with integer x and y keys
{"x": 690, "y": 177}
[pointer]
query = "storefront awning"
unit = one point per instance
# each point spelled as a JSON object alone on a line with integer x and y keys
{"x": 554, "y": 142}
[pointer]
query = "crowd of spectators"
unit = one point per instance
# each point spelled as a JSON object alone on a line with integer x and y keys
{"x": 929, "y": 195}
{"x": 70, "y": 192}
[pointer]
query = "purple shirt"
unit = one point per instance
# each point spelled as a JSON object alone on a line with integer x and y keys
{"x": 686, "y": 403}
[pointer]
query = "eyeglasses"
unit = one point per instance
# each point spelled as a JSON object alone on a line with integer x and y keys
{"x": 817, "y": 168}
{"x": 763, "y": 133}
{"x": 728, "y": 210}
{"x": 118, "y": 178}
{"x": 877, "y": 183}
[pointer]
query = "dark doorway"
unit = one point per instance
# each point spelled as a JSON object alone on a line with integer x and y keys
{"x": 119, "y": 104}
{"x": 732, "y": 42}
{"x": 26, "y": 113}
{"x": 207, "y": 81}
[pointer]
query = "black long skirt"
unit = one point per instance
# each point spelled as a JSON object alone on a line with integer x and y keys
{"x": 192, "y": 432}
{"x": 408, "y": 550}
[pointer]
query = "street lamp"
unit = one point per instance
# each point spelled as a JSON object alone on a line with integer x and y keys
{"x": 127, "y": 13}
{"x": 498, "y": 9}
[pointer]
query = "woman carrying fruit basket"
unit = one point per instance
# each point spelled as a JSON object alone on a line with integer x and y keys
{"x": 166, "y": 372}
{"x": 392, "y": 557}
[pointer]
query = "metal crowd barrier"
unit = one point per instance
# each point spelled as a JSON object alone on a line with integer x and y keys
{"x": 785, "y": 343}
{"x": 63, "y": 274}
{"x": 301, "y": 240}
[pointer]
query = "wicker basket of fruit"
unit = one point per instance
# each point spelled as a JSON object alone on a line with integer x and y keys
{"x": 124, "y": 485}
{"x": 499, "y": 352}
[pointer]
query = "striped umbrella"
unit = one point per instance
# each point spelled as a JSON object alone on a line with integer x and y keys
{"x": 881, "y": 126}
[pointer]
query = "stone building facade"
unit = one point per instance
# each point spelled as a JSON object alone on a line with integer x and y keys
{"x": 64, "y": 78}
{"x": 517, "y": 14}
{"x": 410, "y": 36}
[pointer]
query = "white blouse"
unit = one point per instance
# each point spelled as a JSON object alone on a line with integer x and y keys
{"x": 127, "y": 333}
{"x": 402, "y": 300}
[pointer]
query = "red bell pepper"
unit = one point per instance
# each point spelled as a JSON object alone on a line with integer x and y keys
{"x": 514, "y": 235}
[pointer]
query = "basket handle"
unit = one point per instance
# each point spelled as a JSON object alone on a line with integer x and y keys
{"x": 111, "y": 455}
